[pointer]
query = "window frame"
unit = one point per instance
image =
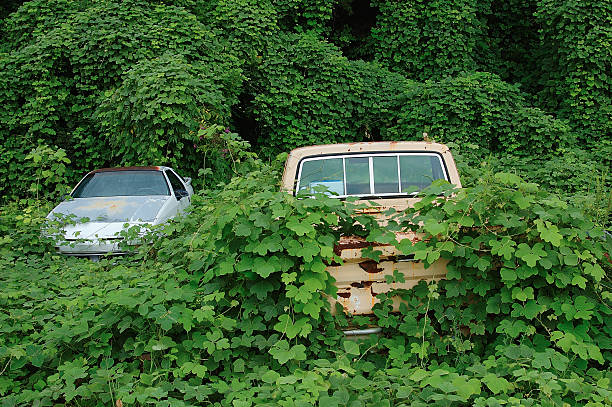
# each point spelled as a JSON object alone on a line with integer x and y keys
{"x": 167, "y": 173}
{"x": 370, "y": 156}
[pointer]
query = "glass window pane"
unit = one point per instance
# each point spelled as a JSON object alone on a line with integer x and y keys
{"x": 419, "y": 171}
{"x": 357, "y": 175}
{"x": 174, "y": 181}
{"x": 327, "y": 173}
{"x": 122, "y": 183}
{"x": 385, "y": 175}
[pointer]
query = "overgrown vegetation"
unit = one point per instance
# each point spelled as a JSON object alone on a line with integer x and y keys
{"x": 230, "y": 307}
{"x": 518, "y": 79}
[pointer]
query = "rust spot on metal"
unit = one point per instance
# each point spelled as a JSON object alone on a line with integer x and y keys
{"x": 370, "y": 266}
{"x": 111, "y": 206}
{"x": 371, "y": 210}
{"x": 353, "y": 242}
{"x": 344, "y": 295}
{"x": 332, "y": 263}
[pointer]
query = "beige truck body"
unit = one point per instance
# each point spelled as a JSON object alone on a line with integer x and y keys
{"x": 358, "y": 279}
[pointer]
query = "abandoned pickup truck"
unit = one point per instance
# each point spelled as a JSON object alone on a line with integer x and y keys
{"x": 387, "y": 174}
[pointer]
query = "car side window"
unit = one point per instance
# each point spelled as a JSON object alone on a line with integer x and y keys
{"x": 177, "y": 185}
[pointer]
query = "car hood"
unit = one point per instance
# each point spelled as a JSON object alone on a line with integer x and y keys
{"x": 96, "y": 230}
{"x": 107, "y": 215}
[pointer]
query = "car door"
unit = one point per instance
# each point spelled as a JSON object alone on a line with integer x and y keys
{"x": 179, "y": 191}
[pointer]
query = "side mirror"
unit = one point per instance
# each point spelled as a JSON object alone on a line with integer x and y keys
{"x": 180, "y": 194}
{"x": 188, "y": 181}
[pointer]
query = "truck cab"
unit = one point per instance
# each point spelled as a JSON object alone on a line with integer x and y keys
{"x": 384, "y": 175}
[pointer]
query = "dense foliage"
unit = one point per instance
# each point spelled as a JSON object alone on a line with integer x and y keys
{"x": 229, "y": 305}
{"x": 231, "y": 308}
{"x": 141, "y": 76}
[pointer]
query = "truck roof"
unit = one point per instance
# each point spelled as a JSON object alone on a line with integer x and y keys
{"x": 369, "y": 147}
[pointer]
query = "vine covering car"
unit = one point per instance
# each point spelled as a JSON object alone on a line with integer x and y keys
{"x": 382, "y": 175}
{"x": 110, "y": 200}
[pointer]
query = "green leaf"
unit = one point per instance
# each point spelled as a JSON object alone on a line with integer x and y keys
{"x": 286, "y": 326}
{"x": 530, "y": 255}
{"x": 466, "y": 221}
{"x": 521, "y": 200}
{"x": 283, "y": 353}
{"x": 300, "y": 228}
{"x": 508, "y": 178}
{"x": 263, "y": 267}
{"x": 496, "y": 384}
{"x": 270, "y": 377}
{"x": 359, "y": 382}
{"x": 571, "y": 259}
{"x": 199, "y": 370}
{"x": 594, "y": 270}
{"x": 532, "y": 309}
{"x": 522, "y": 294}
{"x": 467, "y": 388}
{"x": 238, "y": 366}
{"x": 503, "y": 247}
{"x": 508, "y": 274}
{"x": 549, "y": 232}
{"x": 312, "y": 308}
{"x": 434, "y": 227}
{"x": 351, "y": 347}
{"x": 579, "y": 281}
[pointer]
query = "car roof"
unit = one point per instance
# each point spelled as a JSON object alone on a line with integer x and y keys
{"x": 135, "y": 168}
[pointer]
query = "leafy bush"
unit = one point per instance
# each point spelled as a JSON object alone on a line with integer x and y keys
{"x": 305, "y": 15}
{"x": 32, "y": 172}
{"x": 427, "y": 40}
{"x": 265, "y": 68}
{"x": 59, "y": 66}
{"x": 477, "y": 109}
{"x": 512, "y": 41}
{"x": 522, "y": 263}
{"x": 311, "y": 94}
{"x": 230, "y": 307}
{"x": 248, "y": 26}
{"x": 575, "y": 62}
{"x": 154, "y": 115}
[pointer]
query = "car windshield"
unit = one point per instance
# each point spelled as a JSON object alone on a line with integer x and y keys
{"x": 371, "y": 174}
{"x": 122, "y": 183}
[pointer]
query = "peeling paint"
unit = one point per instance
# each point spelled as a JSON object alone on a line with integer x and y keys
{"x": 113, "y": 209}
{"x": 370, "y": 266}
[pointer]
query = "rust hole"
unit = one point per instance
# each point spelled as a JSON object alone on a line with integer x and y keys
{"x": 357, "y": 285}
{"x": 344, "y": 295}
{"x": 370, "y": 266}
{"x": 353, "y": 242}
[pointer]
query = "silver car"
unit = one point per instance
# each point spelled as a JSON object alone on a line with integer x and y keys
{"x": 110, "y": 200}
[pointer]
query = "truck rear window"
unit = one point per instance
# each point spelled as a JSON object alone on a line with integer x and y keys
{"x": 370, "y": 174}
